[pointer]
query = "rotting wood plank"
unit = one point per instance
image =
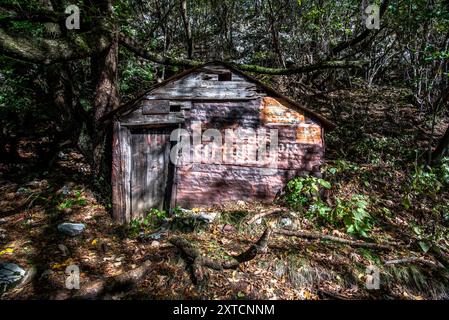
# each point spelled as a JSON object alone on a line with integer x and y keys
{"x": 117, "y": 179}
{"x": 125, "y": 164}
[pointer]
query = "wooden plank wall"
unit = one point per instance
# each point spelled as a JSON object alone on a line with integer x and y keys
{"x": 204, "y": 85}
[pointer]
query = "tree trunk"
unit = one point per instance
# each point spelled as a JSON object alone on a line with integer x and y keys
{"x": 187, "y": 28}
{"x": 442, "y": 148}
{"x": 106, "y": 99}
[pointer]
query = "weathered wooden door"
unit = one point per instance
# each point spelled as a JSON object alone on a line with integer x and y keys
{"x": 151, "y": 170}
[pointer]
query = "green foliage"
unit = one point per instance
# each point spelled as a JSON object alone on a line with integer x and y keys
{"x": 342, "y": 166}
{"x": 353, "y": 214}
{"x": 78, "y": 200}
{"x": 427, "y": 181}
{"x": 135, "y": 75}
{"x": 152, "y": 220}
{"x": 377, "y": 150}
{"x": 301, "y": 191}
{"x": 442, "y": 171}
{"x": 177, "y": 211}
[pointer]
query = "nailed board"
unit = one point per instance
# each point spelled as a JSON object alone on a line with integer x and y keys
{"x": 204, "y": 85}
{"x": 150, "y": 156}
{"x": 156, "y": 107}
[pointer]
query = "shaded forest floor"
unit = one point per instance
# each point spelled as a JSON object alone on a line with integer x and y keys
{"x": 373, "y": 152}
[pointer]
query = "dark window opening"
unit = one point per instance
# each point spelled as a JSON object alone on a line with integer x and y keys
{"x": 175, "y": 108}
{"x": 227, "y": 76}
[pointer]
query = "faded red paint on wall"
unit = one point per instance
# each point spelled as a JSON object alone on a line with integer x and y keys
{"x": 300, "y": 151}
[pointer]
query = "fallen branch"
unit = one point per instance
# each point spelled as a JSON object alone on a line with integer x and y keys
{"x": 263, "y": 214}
{"x": 318, "y": 236}
{"x": 412, "y": 260}
{"x": 324, "y": 293}
{"x": 195, "y": 261}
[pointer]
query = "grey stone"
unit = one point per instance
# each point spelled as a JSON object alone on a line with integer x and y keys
{"x": 155, "y": 244}
{"x": 10, "y": 275}
{"x": 71, "y": 229}
{"x": 22, "y": 191}
{"x": 62, "y": 155}
{"x": 65, "y": 190}
{"x": 228, "y": 228}
{"x": 286, "y": 222}
{"x": 155, "y": 236}
{"x": 207, "y": 217}
{"x": 280, "y": 270}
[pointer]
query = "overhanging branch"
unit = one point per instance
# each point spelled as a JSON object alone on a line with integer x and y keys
{"x": 132, "y": 45}
{"x": 337, "y": 64}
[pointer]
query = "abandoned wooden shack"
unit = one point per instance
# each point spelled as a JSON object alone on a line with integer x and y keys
{"x": 210, "y": 135}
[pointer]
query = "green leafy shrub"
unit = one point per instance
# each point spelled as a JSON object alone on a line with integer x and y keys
{"x": 427, "y": 181}
{"x": 152, "y": 220}
{"x": 302, "y": 191}
{"x": 342, "y": 166}
{"x": 443, "y": 171}
{"x": 353, "y": 214}
{"x": 78, "y": 200}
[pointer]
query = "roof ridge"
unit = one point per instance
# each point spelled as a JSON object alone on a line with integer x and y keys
{"x": 325, "y": 122}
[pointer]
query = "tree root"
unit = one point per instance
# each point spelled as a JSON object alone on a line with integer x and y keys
{"x": 195, "y": 261}
{"x": 317, "y": 236}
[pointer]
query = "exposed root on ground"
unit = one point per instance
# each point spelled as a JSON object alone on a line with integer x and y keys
{"x": 195, "y": 261}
